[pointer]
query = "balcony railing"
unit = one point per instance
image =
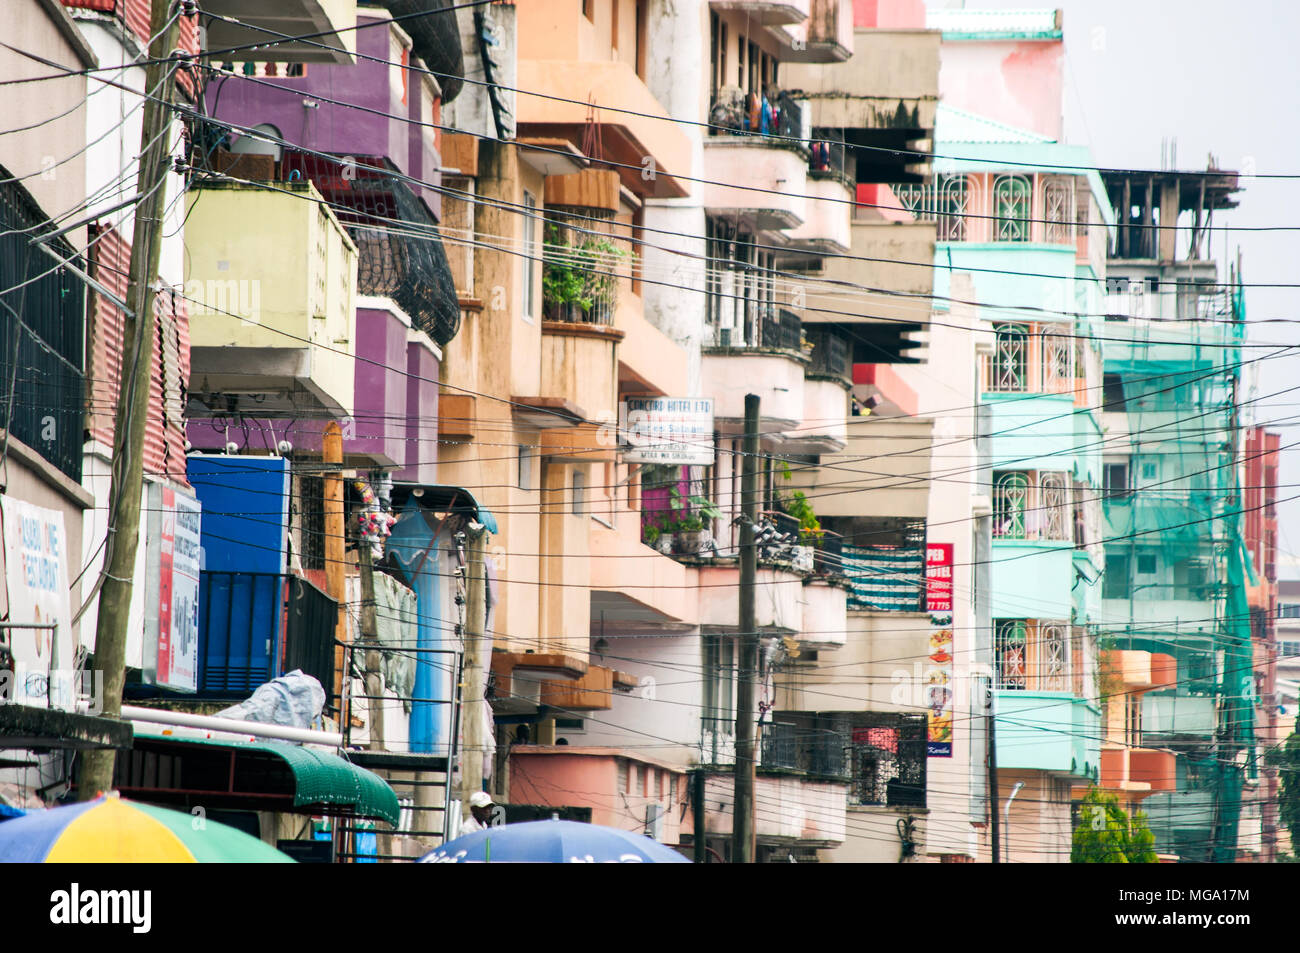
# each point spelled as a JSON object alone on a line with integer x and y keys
{"x": 582, "y": 265}
{"x": 41, "y": 352}
{"x": 831, "y": 355}
{"x": 814, "y": 751}
{"x": 888, "y": 760}
{"x": 1031, "y": 655}
{"x": 255, "y": 626}
{"x": 773, "y": 113}
{"x": 1030, "y": 360}
{"x": 1029, "y": 504}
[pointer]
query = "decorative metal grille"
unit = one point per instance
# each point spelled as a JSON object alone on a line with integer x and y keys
{"x": 1054, "y": 506}
{"x": 954, "y": 204}
{"x": 1057, "y": 362}
{"x": 888, "y": 760}
{"x": 1011, "y": 648}
{"x": 1059, "y": 210}
{"x": 1012, "y": 202}
{"x": 1010, "y": 359}
{"x": 1010, "y": 501}
{"x": 1054, "y": 651}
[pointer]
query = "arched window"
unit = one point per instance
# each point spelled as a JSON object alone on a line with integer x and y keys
{"x": 1010, "y": 359}
{"x": 1010, "y": 500}
{"x": 1012, "y": 202}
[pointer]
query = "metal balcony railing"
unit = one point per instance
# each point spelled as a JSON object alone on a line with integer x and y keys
{"x": 831, "y": 355}
{"x": 42, "y": 326}
{"x": 773, "y": 113}
{"x": 817, "y": 752}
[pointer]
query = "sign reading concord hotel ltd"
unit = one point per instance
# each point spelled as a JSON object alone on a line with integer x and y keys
{"x": 667, "y": 430}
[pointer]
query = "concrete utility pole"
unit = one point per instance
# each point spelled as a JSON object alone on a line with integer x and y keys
{"x": 133, "y": 391}
{"x": 475, "y": 670}
{"x": 993, "y": 772}
{"x": 742, "y": 821}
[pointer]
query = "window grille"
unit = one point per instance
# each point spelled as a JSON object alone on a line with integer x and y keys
{"x": 1012, "y": 204}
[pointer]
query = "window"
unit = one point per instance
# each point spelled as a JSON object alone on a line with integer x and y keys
{"x": 1116, "y": 480}
{"x": 1288, "y": 648}
{"x": 624, "y": 784}
{"x": 1031, "y": 505}
{"x": 1033, "y": 655}
{"x": 1146, "y": 565}
{"x": 1291, "y": 611}
{"x": 579, "y": 493}
{"x": 311, "y": 507}
{"x": 1012, "y": 200}
{"x": 530, "y": 255}
{"x": 1148, "y": 470}
{"x": 719, "y": 690}
{"x": 1115, "y": 583}
{"x": 525, "y": 480}
{"x": 1113, "y": 393}
{"x": 575, "y": 726}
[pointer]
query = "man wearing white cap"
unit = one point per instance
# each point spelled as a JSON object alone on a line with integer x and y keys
{"x": 480, "y": 813}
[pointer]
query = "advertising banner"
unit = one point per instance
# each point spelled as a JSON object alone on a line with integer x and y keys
{"x": 36, "y": 573}
{"x": 939, "y": 683}
{"x": 667, "y": 430}
{"x": 171, "y": 618}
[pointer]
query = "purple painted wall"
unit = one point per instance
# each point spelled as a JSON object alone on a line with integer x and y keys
{"x": 379, "y": 404}
{"x": 337, "y": 129}
{"x": 421, "y": 423}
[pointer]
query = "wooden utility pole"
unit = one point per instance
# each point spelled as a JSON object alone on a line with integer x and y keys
{"x": 742, "y": 821}
{"x": 474, "y": 672}
{"x": 335, "y": 568}
{"x": 133, "y": 391}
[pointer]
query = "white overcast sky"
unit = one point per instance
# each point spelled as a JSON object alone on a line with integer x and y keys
{"x": 1221, "y": 78}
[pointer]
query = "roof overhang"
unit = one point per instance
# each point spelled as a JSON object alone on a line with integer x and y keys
{"x": 254, "y": 775}
{"x": 439, "y": 498}
{"x": 268, "y": 23}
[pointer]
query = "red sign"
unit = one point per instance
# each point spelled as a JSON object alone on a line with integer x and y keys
{"x": 166, "y": 547}
{"x": 938, "y": 577}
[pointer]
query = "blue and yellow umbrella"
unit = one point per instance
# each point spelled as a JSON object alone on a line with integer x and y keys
{"x": 110, "y": 830}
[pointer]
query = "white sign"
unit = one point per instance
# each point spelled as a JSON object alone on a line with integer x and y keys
{"x": 171, "y": 618}
{"x": 36, "y": 573}
{"x": 669, "y": 430}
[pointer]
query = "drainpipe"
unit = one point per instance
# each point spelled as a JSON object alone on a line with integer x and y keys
{"x": 1006, "y": 819}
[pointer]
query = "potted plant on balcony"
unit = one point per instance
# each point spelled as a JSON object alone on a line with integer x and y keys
{"x": 579, "y": 278}
{"x": 691, "y": 529}
{"x": 796, "y": 505}
{"x": 658, "y": 535}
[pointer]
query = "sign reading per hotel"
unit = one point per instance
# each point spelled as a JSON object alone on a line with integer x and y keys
{"x": 667, "y": 430}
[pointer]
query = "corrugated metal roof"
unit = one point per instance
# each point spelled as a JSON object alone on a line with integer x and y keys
{"x": 957, "y": 125}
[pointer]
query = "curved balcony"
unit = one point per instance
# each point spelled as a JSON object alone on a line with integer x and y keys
{"x": 774, "y": 374}
{"x": 768, "y": 181}
{"x": 828, "y": 214}
{"x": 765, "y": 12}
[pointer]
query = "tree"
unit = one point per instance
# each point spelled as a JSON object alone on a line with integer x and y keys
{"x": 1107, "y": 835}
{"x": 1286, "y": 758}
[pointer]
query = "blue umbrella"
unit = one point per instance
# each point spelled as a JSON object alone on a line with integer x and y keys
{"x": 553, "y": 842}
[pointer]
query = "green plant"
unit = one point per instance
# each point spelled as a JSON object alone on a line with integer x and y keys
{"x": 1107, "y": 835}
{"x": 694, "y": 512}
{"x": 582, "y": 273}
{"x": 1286, "y": 758}
{"x": 795, "y": 503}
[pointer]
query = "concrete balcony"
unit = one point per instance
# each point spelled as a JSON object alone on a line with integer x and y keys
{"x": 1178, "y": 718}
{"x": 663, "y": 600}
{"x": 826, "y": 36}
{"x": 881, "y": 248}
{"x": 649, "y": 361}
{"x": 824, "y": 617}
{"x": 780, "y": 610}
{"x": 825, "y": 419}
{"x": 893, "y": 457}
{"x": 828, "y": 214}
{"x": 793, "y": 812}
{"x": 260, "y": 22}
{"x": 272, "y": 309}
{"x": 768, "y": 181}
{"x": 891, "y": 82}
{"x": 765, "y": 12}
{"x": 775, "y": 374}
{"x": 580, "y": 366}
{"x": 1048, "y": 731}
{"x": 1138, "y": 771}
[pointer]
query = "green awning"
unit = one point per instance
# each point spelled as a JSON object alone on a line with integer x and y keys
{"x": 307, "y": 776}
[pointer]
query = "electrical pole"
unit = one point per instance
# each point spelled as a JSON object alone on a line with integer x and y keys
{"x": 133, "y": 391}
{"x": 742, "y": 821}
{"x": 475, "y": 674}
{"x": 993, "y": 773}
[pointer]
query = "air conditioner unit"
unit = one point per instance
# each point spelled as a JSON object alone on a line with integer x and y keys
{"x": 654, "y": 821}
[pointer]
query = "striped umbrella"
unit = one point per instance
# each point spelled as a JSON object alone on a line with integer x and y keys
{"x": 110, "y": 830}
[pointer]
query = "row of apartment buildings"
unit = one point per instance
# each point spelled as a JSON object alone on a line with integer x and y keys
{"x": 475, "y": 296}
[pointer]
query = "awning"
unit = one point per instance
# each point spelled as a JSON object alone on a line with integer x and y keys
{"x": 443, "y": 499}
{"x": 255, "y": 775}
